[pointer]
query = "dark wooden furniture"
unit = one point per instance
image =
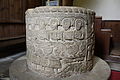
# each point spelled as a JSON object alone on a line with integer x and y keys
{"x": 102, "y": 39}
{"x": 12, "y": 24}
{"x": 107, "y": 34}
{"x": 67, "y": 2}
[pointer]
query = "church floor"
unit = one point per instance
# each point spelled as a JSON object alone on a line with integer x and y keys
{"x": 5, "y": 63}
{"x": 115, "y": 75}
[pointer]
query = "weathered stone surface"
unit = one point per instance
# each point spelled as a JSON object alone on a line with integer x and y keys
{"x": 60, "y": 40}
{"x": 68, "y": 35}
{"x": 20, "y": 71}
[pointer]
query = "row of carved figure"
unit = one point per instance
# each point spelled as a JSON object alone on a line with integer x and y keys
{"x": 56, "y": 24}
{"x": 56, "y": 35}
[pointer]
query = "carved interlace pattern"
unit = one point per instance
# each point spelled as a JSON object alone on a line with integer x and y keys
{"x": 60, "y": 40}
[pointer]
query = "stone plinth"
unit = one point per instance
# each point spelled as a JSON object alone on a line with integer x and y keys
{"x": 19, "y": 71}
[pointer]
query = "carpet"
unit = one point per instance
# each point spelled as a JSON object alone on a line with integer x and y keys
{"x": 115, "y": 75}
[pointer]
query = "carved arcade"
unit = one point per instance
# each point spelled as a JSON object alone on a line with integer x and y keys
{"x": 60, "y": 40}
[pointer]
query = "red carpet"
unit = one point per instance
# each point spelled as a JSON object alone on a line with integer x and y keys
{"x": 115, "y": 75}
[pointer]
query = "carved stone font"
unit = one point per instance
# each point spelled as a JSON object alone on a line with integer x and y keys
{"x": 60, "y": 40}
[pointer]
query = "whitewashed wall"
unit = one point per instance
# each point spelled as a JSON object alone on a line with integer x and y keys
{"x": 108, "y": 9}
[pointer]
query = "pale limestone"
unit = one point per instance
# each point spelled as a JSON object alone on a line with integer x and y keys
{"x": 60, "y": 41}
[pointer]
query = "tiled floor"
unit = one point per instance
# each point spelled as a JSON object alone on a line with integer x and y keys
{"x": 5, "y": 64}
{"x": 115, "y": 66}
